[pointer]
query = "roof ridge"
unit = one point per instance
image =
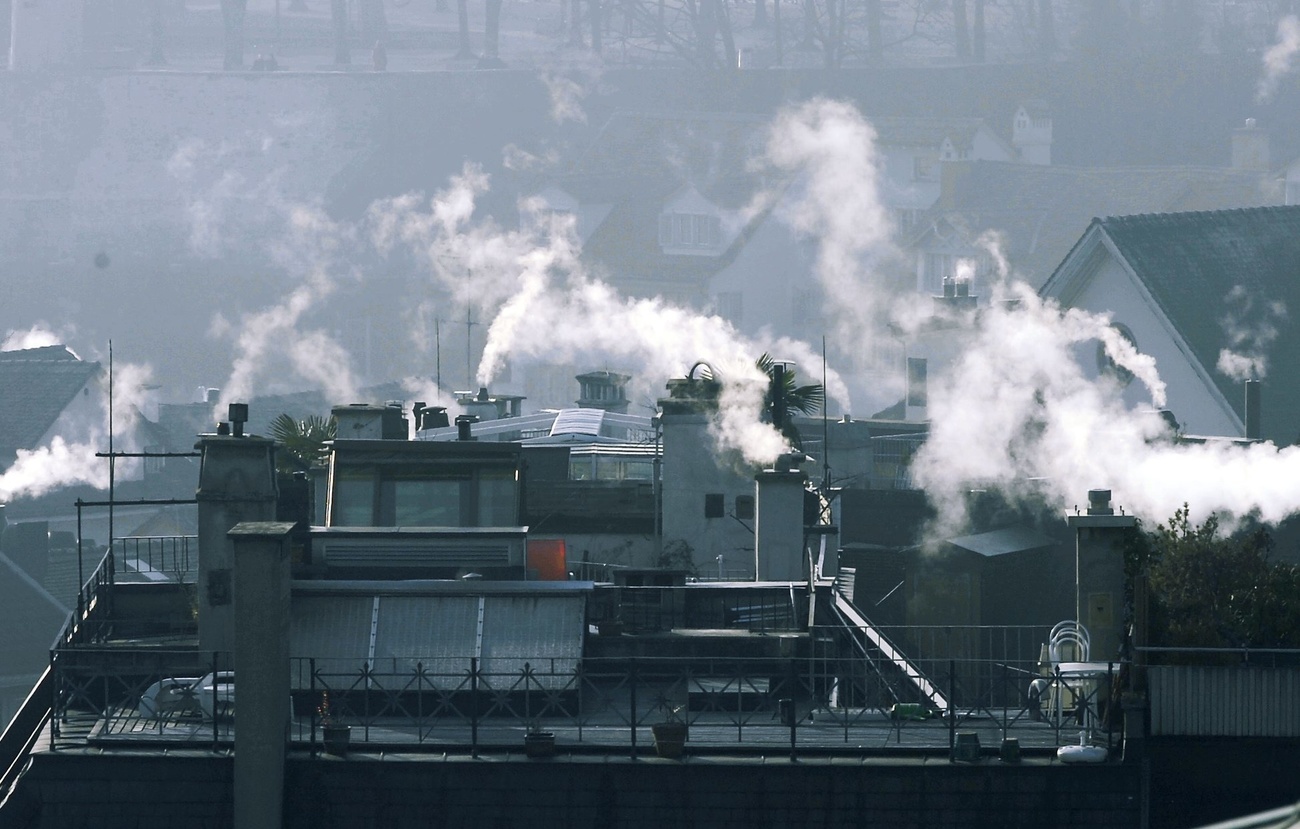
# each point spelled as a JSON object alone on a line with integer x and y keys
{"x": 1187, "y": 214}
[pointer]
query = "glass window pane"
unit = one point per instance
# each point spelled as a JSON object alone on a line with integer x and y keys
{"x": 427, "y": 503}
{"x": 498, "y": 504}
{"x": 354, "y": 500}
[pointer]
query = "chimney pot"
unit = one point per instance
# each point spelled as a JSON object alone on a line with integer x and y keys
{"x": 464, "y": 424}
{"x": 1099, "y": 502}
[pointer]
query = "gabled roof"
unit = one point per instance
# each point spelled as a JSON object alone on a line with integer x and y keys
{"x": 924, "y": 132}
{"x": 1040, "y": 210}
{"x": 36, "y": 385}
{"x": 32, "y": 618}
{"x": 1191, "y": 262}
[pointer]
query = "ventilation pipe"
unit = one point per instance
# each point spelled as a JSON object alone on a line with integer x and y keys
{"x": 464, "y": 425}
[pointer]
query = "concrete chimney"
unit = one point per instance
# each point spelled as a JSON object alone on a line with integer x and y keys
{"x": 1250, "y": 147}
{"x": 236, "y": 484}
{"x": 1253, "y": 412}
{"x": 261, "y": 555}
{"x": 779, "y": 553}
{"x": 1099, "y": 573}
{"x": 464, "y": 426}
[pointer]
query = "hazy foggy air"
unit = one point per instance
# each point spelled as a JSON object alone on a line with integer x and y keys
{"x": 268, "y": 232}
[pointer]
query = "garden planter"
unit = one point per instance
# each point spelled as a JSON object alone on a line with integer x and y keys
{"x": 670, "y": 739}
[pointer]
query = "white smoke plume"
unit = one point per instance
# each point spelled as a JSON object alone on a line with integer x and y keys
{"x": 1017, "y": 413}
{"x": 68, "y": 458}
{"x": 219, "y": 198}
{"x": 276, "y": 340}
{"x": 1278, "y": 57}
{"x": 835, "y": 199}
{"x": 545, "y": 307}
{"x": 569, "y": 82}
{"x": 38, "y": 336}
{"x": 1251, "y": 325}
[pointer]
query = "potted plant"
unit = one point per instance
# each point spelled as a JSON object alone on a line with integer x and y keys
{"x": 670, "y": 735}
{"x": 336, "y": 734}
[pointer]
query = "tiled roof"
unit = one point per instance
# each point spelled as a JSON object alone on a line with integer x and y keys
{"x": 1041, "y": 210}
{"x": 924, "y": 132}
{"x": 36, "y": 385}
{"x": 31, "y": 617}
{"x": 1191, "y": 262}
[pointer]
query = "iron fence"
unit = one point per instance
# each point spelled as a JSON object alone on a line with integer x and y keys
{"x": 159, "y": 558}
{"x": 821, "y": 703}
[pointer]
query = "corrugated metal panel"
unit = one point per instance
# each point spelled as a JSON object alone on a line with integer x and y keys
{"x": 436, "y": 632}
{"x": 1197, "y": 701}
{"x": 440, "y": 633}
{"x": 545, "y": 632}
{"x": 331, "y": 627}
{"x": 578, "y": 422}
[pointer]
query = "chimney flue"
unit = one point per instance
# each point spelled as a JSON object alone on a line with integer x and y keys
{"x": 464, "y": 423}
{"x": 238, "y": 416}
{"x": 1099, "y": 502}
{"x": 1252, "y": 410}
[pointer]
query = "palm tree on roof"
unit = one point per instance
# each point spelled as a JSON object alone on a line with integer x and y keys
{"x": 794, "y": 399}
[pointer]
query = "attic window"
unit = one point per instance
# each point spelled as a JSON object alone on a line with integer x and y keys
{"x": 689, "y": 230}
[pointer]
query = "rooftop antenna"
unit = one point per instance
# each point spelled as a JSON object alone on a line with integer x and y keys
{"x": 112, "y": 459}
{"x": 826, "y": 441}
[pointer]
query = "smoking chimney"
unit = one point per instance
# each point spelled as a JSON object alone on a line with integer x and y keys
{"x": 237, "y": 414}
{"x": 1252, "y": 410}
{"x": 1249, "y": 147}
{"x": 1099, "y": 573}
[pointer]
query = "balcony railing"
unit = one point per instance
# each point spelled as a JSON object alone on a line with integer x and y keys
{"x": 822, "y": 704}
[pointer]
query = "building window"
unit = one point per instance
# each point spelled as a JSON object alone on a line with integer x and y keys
{"x": 745, "y": 507}
{"x": 925, "y": 167}
{"x": 689, "y": 230}
{"x": 805, "y": 310}
{"x": 730, "y": 305}
{"x": 714, "y": 505}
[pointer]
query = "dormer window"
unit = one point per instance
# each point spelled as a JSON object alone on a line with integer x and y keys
{"x": 689, "y": 230}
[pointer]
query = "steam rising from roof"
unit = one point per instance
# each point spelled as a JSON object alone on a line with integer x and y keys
{"x": 1277, "y": 59}
{"x": 1250, "y": 325}
{"x": 68, "y": 458}
{"x": 544, "y": 306}
{"x": 38, "y": 336}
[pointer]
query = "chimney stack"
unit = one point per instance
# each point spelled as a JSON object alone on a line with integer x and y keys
{"x": 1252, "y": 410}
{"x": 779, "y": 553}
{"x": 464, "y": 426}
{"x": 1099, "y": 573}
{"x": 1250, "y": 147}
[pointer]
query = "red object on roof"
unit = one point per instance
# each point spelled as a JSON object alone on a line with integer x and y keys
{"x": 546, "y": 558}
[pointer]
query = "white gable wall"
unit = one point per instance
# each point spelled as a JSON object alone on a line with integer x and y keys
{"x": 1192, "y": 397}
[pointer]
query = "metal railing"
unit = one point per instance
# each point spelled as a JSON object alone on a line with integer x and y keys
{"x": 813, "y": 705}
{"x": 159, "y": 558}
{"x": 134, "y": 696}
{"x": 821, "y": 703}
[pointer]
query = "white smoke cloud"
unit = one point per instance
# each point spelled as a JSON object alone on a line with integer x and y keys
{"x": 68, "y": 458}
{"x": 545, "y": 307}
{"x": 569, "y": 82}
{"x": 1251, "y": 325}
{"x": 829, "y": 148}
{"x": 219, "y": 198}
{"x": 276, "y": 341}
{"x": 1278, "y": 57}
{"x": 38, "y": 336}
